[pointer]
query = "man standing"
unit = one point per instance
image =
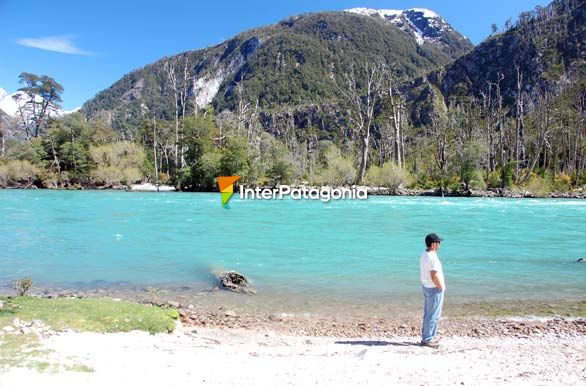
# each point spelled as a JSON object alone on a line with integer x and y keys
{"x": 432, "y": 279}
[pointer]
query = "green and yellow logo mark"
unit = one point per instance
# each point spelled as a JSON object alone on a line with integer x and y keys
{"x": 226, "y": 185}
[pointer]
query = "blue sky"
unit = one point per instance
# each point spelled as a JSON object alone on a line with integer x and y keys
{"x": 100, "y": 41}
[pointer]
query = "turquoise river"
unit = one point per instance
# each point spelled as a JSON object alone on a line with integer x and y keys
{"x": 350, "y": 251}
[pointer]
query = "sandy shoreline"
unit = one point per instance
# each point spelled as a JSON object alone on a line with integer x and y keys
{"x": 220, "y": 344}
{"x": 228, "y": 356}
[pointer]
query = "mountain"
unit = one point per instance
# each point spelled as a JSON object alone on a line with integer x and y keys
{"x": 10, "y": 106}
{"x": 426, "y": 26}
{"x": 7, "y": 104}
{"x": 282, "y": 66}
{"x": 544, "y": 49}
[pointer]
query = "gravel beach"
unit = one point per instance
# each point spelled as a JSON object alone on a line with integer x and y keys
{"x": 228, "y": 356}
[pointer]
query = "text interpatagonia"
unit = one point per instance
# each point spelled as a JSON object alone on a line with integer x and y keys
{"x": 323, "y": 193}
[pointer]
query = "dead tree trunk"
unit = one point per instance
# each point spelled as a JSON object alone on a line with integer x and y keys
{"x": 543, "y": 124}
{"x": 397, "y": 111}
{"x": 155, "y": 147}
{"x": 170, "y": 69}
{"x": 362, "y": 102}
{"x": 520, "y": 137}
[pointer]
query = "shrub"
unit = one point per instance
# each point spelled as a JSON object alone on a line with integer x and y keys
{"x": 476, "y": 180}
{"x": 22, "y": 286}
{"x": 338, "y": 170}
{"x": 119, "y": 162}
{"x": 388, "y": 175}
{"x": 563, "y": 182}
{"x": 494, "y": 179}
{"x": 538, "y": 185}
{"x": 17, "y": 171}
{"x": 281, "y": 171}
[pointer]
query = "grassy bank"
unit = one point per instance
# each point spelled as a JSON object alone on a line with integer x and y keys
{"x": 96, "y": 315}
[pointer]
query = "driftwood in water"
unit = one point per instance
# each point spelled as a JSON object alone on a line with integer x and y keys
{"x": 236, "y": 282}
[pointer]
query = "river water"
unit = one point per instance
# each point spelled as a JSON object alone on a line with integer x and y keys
{"x": 346, "y": 252}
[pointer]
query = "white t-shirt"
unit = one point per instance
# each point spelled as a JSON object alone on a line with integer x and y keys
{"x": 429, "y": 262}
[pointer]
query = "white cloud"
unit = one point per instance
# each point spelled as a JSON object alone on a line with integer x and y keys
{"x": 63, "y": 44}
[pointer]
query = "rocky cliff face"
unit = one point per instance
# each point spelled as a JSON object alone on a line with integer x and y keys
{"x": 283, "y": 67}
{"x": 544, "y": 50}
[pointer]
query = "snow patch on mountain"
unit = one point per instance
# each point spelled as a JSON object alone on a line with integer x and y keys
{"x": 373, "y": 12}
{"x": 426, "y": 13}
{"x": 424, "y": 24}
{"x": 7, "y": 104}
{"x": 11, "y": 104}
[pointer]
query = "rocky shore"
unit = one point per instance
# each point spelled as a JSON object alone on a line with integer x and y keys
{"x": 493, "y": 193}
{"x": 472, "y": 320}
{"x": 372, "y": 190}
{"x": 387, "y": 327}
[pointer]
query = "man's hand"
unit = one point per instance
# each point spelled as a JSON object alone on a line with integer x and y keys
{"x": 438, "y": 281}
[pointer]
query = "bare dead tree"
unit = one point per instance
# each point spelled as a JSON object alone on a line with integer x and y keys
{"x": 155, "y": 147}
{"x": 520, "y": 125}
{"x": 544, "y": 116}
{"x": 2, "y": 137}
{"x": 172, "y": 78}
{"x": 579, "y": 157}
{"x": 362, "y": 95}
{"x": 55, "y": 163}
{"x": 253, "y": 132}
{"x": 500, "y": 124}
{"x": 183, "y": 95}
{"x": 243, "y": 107}
{"x": 442, "y": 131}
{"x": 194, "y": 97}
{"x": 397, "y": 117}
{"x": 489, "y": 124}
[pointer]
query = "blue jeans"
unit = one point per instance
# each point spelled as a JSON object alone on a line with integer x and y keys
{"x": 432, "y": 310}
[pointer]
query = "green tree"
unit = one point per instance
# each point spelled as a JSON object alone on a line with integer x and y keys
{"x": 234, "y": 161}
{"x": 42, "y": 97}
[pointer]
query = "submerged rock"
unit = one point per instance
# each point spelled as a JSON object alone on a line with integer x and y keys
{"x": 235, "y": 282}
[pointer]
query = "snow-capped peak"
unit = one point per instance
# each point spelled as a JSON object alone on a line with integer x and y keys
{"x": 423, "y": 23}
{"x": 7, "y": 103}
{"x": 10, "y": 104}
{"x": 426, "y": 13}
{"x": 372, "y": 12}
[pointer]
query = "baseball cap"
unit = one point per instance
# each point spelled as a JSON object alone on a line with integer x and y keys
{"x": 432, "y": 238}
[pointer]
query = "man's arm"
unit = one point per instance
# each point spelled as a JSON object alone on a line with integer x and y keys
{"x": 437, "y": 280}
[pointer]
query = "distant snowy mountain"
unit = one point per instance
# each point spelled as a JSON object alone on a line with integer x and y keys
{"x": 10, "y": 105}
{"x": 7, "y": 104}
{"x": 424, "y": 24}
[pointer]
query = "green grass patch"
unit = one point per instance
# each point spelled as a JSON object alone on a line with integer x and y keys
{"x": 23, "y": 351}
{"x": 96, "y": 315}
{"x": 80, "y": 368}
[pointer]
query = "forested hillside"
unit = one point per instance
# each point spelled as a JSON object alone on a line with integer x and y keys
{"x": 333, "y": 98}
